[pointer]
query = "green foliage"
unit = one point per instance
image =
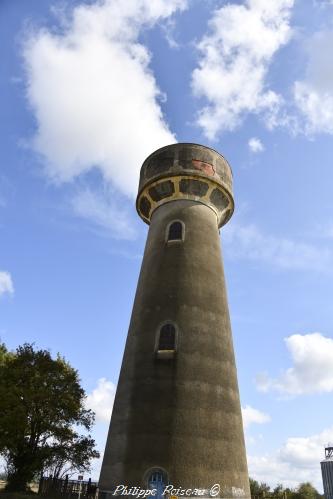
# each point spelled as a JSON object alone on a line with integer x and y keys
{"x": 303, "y": 491}
{"x": 4, "y": 354}
{"x": 307, "y": 491}
{"x": 258, "y": 489}
{"x": 42, "y": 404}
{"x": 278, "y": 490}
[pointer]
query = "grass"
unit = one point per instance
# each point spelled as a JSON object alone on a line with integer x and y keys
{"x": 16, "y": 495}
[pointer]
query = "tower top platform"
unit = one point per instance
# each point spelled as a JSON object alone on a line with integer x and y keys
{"x": 188, "y": 172}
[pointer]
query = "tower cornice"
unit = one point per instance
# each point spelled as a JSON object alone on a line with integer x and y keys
{"x": 186, "y": 171}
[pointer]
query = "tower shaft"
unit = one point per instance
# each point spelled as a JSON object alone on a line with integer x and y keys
{"x": 177, "y": 409}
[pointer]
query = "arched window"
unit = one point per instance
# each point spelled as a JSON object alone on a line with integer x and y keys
{"x": 175, "y": 231}
{"x": 157, "y": 479}
{"x": 166, "y": 341}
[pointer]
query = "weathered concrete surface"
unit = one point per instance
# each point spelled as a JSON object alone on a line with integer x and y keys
{"x": 183, "y": 414}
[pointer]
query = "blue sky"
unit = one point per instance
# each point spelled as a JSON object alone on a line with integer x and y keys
{"x": 88, "y": 90}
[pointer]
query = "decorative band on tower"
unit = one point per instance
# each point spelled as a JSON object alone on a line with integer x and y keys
{"x": 186, "y": 171}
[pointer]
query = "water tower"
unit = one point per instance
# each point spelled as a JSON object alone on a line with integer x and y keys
{"x": 177, "y": 416}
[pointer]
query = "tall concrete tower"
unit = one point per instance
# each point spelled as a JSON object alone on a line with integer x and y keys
{"x": 177, "y": 418}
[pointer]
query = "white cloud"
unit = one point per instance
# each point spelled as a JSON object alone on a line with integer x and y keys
{"x": 236, "y": 55}
{"x": 295, "y": 462}
{"x": 255, "y": 145}
{"x": 6, "y": 283}
{"x": 250, "y": 243}
{"x": 251, "y": 415}
{"x": 104, "y": 211}
{"x": 305, "y": 452}
{"x": 314, "y": 94}
{"x": 101, "y": 399}
{"x": 93, "y": 93}
{"x": 312, "y": 370}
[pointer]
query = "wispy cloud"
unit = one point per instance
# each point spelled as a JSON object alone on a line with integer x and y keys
{"x": 252, "y": 415}
{"x": 169, "y": 28}
{"x": 314, "y": 94}
{"x": 312, "y": 369}
{"x": 235, "y": 57}
{"x": 6, "y": 283}
{"x": 93, "y": 93}
{"x": 255, "y": 145}
{"x": 250, "y": 243}
{"x": 104, "y": 211}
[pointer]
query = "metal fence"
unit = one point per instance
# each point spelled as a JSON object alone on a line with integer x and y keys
{"x": 69, "y": 489}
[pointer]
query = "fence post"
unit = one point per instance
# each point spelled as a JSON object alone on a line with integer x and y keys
{"x": 67, "y": 491}
{"x": 40, "y": 485}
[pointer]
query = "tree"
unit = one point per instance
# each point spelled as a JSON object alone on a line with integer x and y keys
{"x": 278, "y": 491}
{"x": 41, "y": 409}
{"x": 258, "y": 489}
{"x": 4, "y": 354}
{"x": 73, "y": 456}
{"x": 307, "y": 491}
{"x": 303, "y": 491}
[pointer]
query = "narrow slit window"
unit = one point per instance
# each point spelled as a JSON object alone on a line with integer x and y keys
{"x": 175, "y": 232}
